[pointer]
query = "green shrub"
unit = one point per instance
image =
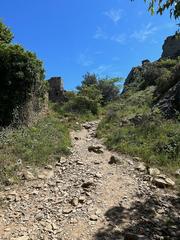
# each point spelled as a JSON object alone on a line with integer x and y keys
{"x": 22, "y": 79}
{"x": 81, "y": 104}
{"x": 6, "y": 35}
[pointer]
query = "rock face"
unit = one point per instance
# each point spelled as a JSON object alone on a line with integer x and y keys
{"x": 161, "y": 77}
{"x": 171, "y": 47}
{"x": 56, "y": 89}
{"x": 170, "y": 102}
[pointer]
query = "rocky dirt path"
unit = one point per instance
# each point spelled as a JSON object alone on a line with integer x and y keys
{"x": 88, "y": 196}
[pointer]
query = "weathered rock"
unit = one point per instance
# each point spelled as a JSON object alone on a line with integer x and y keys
{"x": 153, "y": 171}
{"x": 87, "y": 125}
{"x": 87, "y": 184}
{"x": 49, "y": 167}
{"x": 46, "y": 174}
{"x": 75, "y": 201}
{"x": 177, "y": 172}
{"x": 67, "y": 210}
{"x": 93, "y": 217}
{"x": 27, "y": 175}
{"x": 114, "y": 160}
{"x": 141, "y": 167}
{"x": 82, "y": 199}
{"x": 171, "y": 47}
{"x": 96, "y": 149}
{"x": 132, "y": 236}
{"x": 163, "y": 182}
{"x": 138, "y": 159}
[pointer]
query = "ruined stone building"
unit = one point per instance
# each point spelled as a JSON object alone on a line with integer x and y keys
{"x": 56, "y": 89}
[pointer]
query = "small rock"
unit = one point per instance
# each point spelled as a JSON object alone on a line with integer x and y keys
{"x": 73, "y": 221}
{"x": 96, "y": 162}
{"x": 82, "y": 199}
{"x": 87, "y": 126}
{"x": 96, "y": 149}
{"x": 75, "y": 201}
{"x": 87, "y": 184}
{"x": 46, "y": 174}
{"x": 93, "y": 217}
{"x": 39, "y": 216}
{"x": 153, "y": 171}
{"x": 132, "y": 236}
{"x": 80, "y": 163}
{"x": 114, "y": 160}
{"x": 98, "y": 175}
{"x": 141, "y": 167}
{"x": 67, "y": 210}
{"x": 177, "y": 173}
{"x": 27, "y": 175}
{"x": 138, "y": 159}
{"x": 76, "y": 138}
{"x": 49, "y": 167}
{"x": 170, "y": 182}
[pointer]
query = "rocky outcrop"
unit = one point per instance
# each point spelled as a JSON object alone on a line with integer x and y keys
{"x": 56, "y": 89}
{"x": 171, "y": 47}
{"x": 163, "y": 75}
{"x": 170, "y": 102}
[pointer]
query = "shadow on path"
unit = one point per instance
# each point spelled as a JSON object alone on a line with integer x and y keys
{"x": 155, "y": 218}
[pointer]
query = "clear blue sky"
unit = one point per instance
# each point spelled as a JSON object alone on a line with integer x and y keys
{"x": 71, "y": 37}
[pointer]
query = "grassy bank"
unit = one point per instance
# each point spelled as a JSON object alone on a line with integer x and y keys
{"x": 34, "y": 146}
{"x": 130, "y": 126}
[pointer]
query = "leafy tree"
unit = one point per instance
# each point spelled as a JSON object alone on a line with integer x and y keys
{"x": 159, "y": 6}
{"x": 22, "y": 76}
{"x": 6, "y": 35}
{"x": 88, "y": 80}
{"x": 92, "y": 92}
{"x": 109, "y": 89}
{"x": 81, "y": 104}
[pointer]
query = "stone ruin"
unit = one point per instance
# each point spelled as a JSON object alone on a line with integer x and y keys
{"x": 56, "y": 89}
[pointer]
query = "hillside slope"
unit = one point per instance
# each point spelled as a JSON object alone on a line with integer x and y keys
{"x": 144, "y": 121}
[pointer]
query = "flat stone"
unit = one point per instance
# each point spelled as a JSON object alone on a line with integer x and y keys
{"x": 132, "y": 236}
{"x": 163, "y": 182}
{"x": 67, "y": 210}
{"x": 46, "y": 174}
{"x": 93, "y": 217}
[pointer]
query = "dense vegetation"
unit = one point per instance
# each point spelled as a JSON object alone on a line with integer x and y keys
{"x": 91, "y": 96}
{"x": 140, "y": 123}
{"x": 22, "y": 81}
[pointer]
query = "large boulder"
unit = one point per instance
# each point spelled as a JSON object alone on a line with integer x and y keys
{"x": 171, "y": 47}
